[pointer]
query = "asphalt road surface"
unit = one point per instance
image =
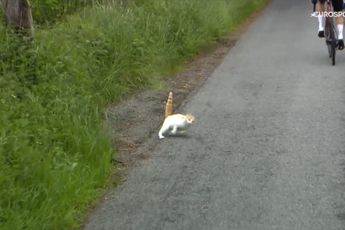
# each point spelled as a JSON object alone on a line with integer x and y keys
{"x": 267, "y": 150}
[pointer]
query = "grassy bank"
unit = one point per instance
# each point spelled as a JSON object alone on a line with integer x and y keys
{"x": 54, "y": 156}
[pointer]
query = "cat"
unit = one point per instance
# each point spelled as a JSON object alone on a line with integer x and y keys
{"x": 169, "y": 105}
{"x": 175, "y": 124}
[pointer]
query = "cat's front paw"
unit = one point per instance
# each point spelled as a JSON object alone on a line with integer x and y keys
{"x": 161, "y": 136}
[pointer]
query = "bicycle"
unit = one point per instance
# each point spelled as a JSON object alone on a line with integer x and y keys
{"x": 330, "y": 30}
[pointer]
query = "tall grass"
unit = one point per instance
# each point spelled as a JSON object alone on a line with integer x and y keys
{"x": 47, "y": 11}
{"x": 54, "y": 156}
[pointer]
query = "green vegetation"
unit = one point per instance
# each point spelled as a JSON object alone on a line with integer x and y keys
{"x": 54, "y": 156}
{"x": 47, "y": 11}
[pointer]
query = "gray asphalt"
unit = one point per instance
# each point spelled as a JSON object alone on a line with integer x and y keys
{"x": 267, "y": 150}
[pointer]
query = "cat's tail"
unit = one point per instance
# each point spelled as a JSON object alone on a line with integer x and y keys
{"x": 169, "y": 105}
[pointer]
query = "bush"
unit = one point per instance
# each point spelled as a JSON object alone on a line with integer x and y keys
{"x": 54, "y": 156}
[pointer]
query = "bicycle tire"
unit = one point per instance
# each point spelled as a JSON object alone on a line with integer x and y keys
{"x": 333, "y": 43}
{"x": 331, "y": 39}
{"x": 333, "y": 53}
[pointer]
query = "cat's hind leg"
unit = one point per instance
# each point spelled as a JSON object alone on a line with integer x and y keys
{"x": 160, "y": 134}
{"x": 163, "y": 130}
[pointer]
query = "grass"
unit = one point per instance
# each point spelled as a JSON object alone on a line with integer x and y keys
{"x": 54, "y": 154}
{"x": 49, "y": 11}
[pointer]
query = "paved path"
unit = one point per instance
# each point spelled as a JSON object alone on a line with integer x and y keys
{"x": 267, "y": 150}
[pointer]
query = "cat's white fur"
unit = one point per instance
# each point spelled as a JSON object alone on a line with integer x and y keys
{"x": 175, "y": 124}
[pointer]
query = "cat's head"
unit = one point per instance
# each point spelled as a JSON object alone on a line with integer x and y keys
{"x": 189, "y": 118}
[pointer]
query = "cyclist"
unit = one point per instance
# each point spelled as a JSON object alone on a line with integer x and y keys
{"x": 338, "y": 7}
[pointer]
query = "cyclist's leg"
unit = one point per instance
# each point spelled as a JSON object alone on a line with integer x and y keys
{"x": 320, "y": 8}
{"x": 338, "y": 7}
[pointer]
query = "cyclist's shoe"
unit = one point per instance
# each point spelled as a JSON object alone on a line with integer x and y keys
{"x": 340, "y": 44}
{"x": 321, "y": 34}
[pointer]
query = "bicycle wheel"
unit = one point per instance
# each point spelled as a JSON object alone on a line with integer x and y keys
{"x": 330, "y": 39}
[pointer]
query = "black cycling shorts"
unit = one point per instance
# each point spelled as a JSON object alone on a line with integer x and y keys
{"x": 338, "y": 5}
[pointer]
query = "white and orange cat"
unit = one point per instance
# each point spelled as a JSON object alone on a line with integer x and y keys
{"x": 175, "y": 124}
